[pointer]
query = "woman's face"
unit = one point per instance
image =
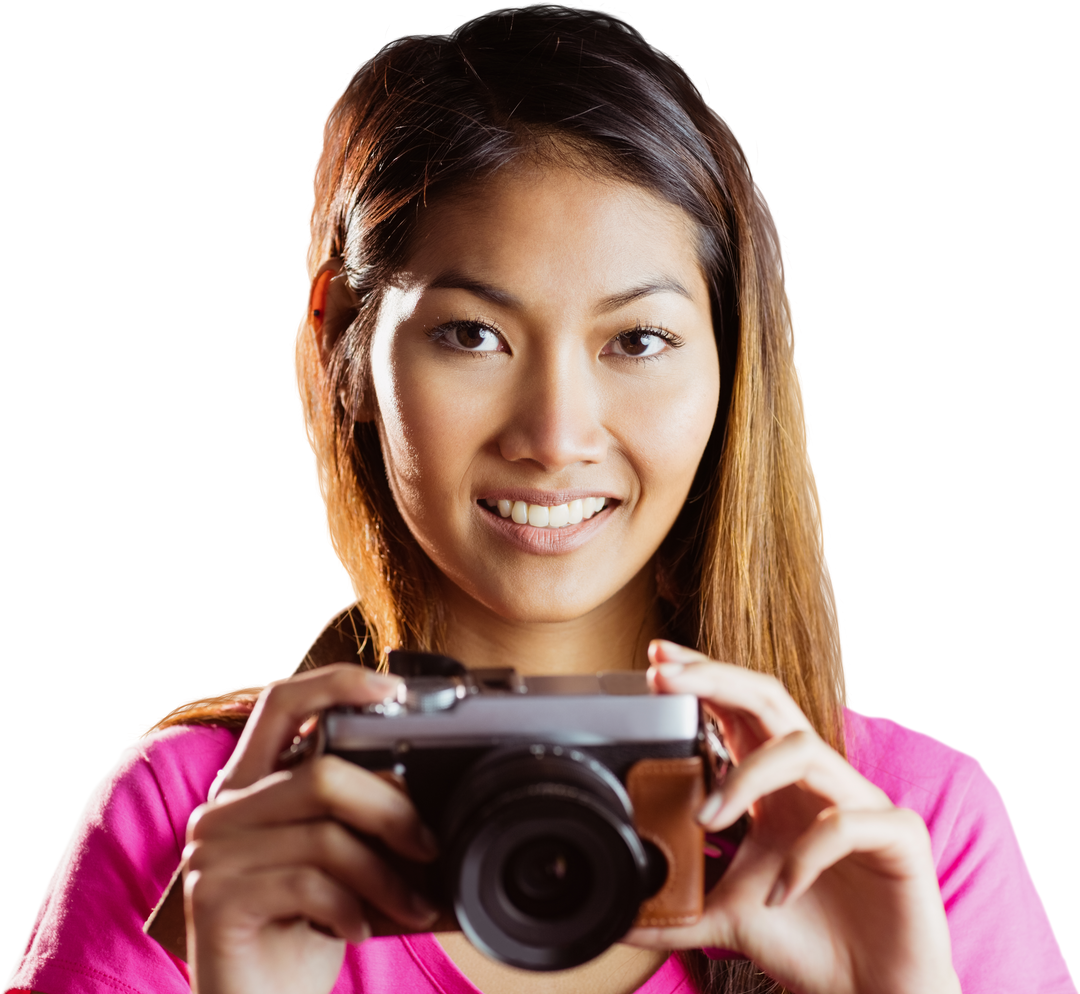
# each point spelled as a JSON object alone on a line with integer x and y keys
{"x": 549, "y": 344}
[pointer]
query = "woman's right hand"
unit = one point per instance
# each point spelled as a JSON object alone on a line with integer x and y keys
{"x": 275, "y": 880}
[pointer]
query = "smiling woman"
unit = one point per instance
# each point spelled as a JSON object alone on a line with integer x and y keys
{"x": 548, "y": 376}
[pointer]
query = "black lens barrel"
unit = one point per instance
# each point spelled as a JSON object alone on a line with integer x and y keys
{"x": 544, "y": 865}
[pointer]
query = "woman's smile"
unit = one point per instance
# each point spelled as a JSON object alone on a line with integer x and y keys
{"x": 546, "y": 377}
{"x": 547, "y": 524}
{"x": 548, "y": 513}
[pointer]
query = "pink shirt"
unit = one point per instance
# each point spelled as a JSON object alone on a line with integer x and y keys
{"x": 88, "y": 937}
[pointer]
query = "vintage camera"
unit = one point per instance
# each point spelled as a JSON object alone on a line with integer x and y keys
{"x": 563, "y": 804}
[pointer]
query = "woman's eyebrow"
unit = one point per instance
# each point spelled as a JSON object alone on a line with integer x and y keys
{"x": 453, "y": 279}
{"x": 662, "y": 285}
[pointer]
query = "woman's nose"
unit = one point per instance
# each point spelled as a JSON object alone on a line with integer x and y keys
{"x": 556, "y": 415}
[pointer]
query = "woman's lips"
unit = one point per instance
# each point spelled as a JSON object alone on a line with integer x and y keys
{"x": 547, "y": 528}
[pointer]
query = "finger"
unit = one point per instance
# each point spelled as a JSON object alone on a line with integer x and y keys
{"x": 678, "y": 670}
{"x": 710, "y": 932}
{"x": 327, "y": 787}
{"x": 219, "y": 901}
{"x": 282, "y": 707}
{"x": 322, "y": 844}
{"x": 797, "y": 758}
{"x": 897, "y": 838}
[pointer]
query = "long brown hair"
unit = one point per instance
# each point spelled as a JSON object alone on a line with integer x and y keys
{"x": 742, "y": 570}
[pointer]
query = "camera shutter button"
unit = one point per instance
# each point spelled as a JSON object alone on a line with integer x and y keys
{"x": 428, "y": 694}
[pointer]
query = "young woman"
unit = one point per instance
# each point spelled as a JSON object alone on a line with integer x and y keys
{"x": 548, "y": 376}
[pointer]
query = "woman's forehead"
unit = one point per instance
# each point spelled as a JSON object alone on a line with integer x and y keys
{"x": 556, "y": 222}
{"x": 569, "y": 256}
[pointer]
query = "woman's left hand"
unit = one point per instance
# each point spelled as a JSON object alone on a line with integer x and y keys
{"x": 833, "y": 890}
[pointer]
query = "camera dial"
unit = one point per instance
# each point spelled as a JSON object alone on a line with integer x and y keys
{"x": 433, "y": 693}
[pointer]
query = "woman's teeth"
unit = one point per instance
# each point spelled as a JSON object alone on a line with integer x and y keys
{"x": 540, "y": 516}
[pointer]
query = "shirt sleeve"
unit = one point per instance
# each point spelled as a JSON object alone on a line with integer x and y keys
{"x": 88, "y": 937}
{"x": 1002, "y": 942}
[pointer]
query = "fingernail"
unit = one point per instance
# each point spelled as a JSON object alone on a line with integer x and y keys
{"x": 424, "y": 912}
{"x": 777, "y": 894}
{"x": 711, "y": 808}
{"x": 673, "y": 648}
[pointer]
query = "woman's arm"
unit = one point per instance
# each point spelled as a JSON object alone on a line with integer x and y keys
{"x": 88, "y": 933}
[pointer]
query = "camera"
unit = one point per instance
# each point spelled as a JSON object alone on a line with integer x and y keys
{"x": 564, "y": 805}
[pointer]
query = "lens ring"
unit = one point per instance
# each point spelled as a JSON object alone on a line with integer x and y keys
{"x": 583, "y": 927}
{"x": 504, "y": 769}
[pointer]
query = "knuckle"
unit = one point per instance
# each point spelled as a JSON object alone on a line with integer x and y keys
{"x": 276, "y": 695}
{"x": 344, "y": 677}
{"x": 800, "y": 749}
{"x": 196, "y": 857}
{"x": 880, "y": 800}
{"x": 325, "y": 839}
{"x": 911, "y": 824}
{"x": 801, "y": 738}
{"x": 323, "y": 775}
{"x": 304, "y": 884}
{"x": 197, "y": 822}
{"x": 203, "y": 893}
{"x": 832, "y": 818}
{"x": 834, "y": 824}
{"x": 370, "y": 868}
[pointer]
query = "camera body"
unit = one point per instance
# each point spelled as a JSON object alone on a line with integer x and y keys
{"x": 564, "y": 805}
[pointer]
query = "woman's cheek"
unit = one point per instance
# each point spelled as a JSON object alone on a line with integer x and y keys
{"x": 665, "y": 430}
{"x": 444, "y": 420}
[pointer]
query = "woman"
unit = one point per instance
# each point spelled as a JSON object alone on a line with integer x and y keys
{"x": 547, "y": 372}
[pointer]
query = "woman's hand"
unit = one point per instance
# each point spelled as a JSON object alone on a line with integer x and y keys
{"x": 833, "y": 890}
{"x": 275, "y": 881}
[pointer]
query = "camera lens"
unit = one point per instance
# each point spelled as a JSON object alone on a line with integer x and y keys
{"x": 545, "y": 868}
{"x": 547, "y": 878}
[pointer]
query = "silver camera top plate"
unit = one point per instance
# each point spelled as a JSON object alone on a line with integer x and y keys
{"x": 588, "y": 709}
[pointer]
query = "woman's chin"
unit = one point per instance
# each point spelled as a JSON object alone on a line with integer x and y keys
{"x": 550, "y": 596}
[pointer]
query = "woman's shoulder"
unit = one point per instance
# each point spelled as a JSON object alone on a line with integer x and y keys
{"x": 906, "y": 764}
{"x": 946, "y": 787}
{"x": 184, "y": 759}
{"x": 89, "y": 931}
{"x": 138, "y": 815}
{"x": 1000, "y": 935}
{"x": 154, "y": 786}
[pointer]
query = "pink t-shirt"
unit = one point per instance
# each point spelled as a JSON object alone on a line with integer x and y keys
{"x": 88, "y": 938}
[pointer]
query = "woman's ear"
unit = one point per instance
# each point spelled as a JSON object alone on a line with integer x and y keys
{"x": 332, "y": 308}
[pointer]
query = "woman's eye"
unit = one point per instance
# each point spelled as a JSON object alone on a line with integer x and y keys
{"x": 469, "y": 336}
{"x": 638, "y": 344}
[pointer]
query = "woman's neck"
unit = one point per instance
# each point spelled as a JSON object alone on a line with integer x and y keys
{"x": 619, "y": 970}
{"x": 613, "y": 636}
